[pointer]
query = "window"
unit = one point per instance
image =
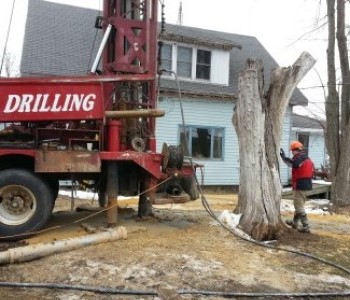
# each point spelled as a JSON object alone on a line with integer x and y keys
{"x": 203, "y": 142}
{"x": 167, "y": 51}
{"x": 304, "y": 139}
{"x": 190, "y": 63}
{"x": 184, "y": 62}
{"x": 203, "y": 64}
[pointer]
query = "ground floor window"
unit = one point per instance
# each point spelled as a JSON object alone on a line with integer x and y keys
{"x": 304, "y": 139}
{"x": 203, "y": 142}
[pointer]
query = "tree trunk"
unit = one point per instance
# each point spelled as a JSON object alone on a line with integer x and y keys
{"x": 258, "y": 121}
{"x": 338, "y": 127}
{"x": 341, "y": 184}
{"x": 332, "y": 101}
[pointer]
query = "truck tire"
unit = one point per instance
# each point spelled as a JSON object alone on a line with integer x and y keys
{"x": 54, "y": 186}
{"x": 26, "y": 203}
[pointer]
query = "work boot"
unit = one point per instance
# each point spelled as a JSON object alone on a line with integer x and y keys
{"x": 304, "y": 229}
{"x": 294, "y": 223}
{"x": 305, "y": 222}
{"x": 291, "y": 224}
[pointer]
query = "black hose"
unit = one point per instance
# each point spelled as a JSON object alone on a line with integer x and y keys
{"x": 62, "y": 286}
{"x": 114, "y": 291}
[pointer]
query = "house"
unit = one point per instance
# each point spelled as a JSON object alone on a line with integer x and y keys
{"x": 310, "y": 132}
{"x": 199, "y": 100}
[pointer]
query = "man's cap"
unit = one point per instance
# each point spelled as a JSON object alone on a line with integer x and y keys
{"x": 296, "y": 145}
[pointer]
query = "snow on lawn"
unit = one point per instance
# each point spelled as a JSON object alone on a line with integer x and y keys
{"x": 85, "y": 195}
{"x": 312, "y": 206}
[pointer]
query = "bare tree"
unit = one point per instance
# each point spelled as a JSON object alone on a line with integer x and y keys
{"x": 338, "y": 108}
{"x": 9, "y": 66}
{"x": 258, "y": 120}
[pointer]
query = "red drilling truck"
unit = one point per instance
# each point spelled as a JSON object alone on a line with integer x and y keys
{"x": 97, "y": 128}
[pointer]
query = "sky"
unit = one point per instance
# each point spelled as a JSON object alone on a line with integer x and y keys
{"x": 286, "y": 28}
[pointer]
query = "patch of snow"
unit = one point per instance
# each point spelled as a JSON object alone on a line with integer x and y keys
{"x": 232, "y": 221}
{"x": 322, "y": 182}
{"x": 316, "y": 211}
{"x": 314, "y": 206}
{"x": 319, "y": 201}
{"x": 230, "y": 218}
{"x": 79, "y": 194}
{"x": 86, "y": 195}
{"x": 287, "y": 205}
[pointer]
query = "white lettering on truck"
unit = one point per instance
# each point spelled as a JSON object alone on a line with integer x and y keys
{"x": 46, "y": 103}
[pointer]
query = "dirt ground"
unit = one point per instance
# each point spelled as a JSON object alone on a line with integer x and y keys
{"x": 182, "y": 246}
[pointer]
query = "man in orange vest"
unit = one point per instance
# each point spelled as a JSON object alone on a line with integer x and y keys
{"x": 302, "y": 171}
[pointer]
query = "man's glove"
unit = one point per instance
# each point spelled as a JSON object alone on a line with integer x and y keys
{"x": 282, "y": 154}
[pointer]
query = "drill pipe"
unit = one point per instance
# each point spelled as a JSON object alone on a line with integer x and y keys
{"x": 31, "y": 252}
{"x": 123, "y": 114}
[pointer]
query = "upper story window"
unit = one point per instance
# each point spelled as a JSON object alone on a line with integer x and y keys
{"x": 184, "y": 62}
{"x": 304, "y": 139}
{"x": 203, "y": 64}
{"x": 167, "y": 52}
{"x": 203, "y": 142}
{"x": 197, "y": 64}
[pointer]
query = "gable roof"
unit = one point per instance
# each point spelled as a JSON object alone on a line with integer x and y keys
{"x": 182, "y": 34}
{"x": 61, "y": 40}
{"x": 305, "y": 122}
{"x": 58, "y": 40}
{"x": 243, "y": 47}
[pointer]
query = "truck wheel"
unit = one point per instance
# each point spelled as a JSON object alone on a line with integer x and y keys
{"x": 54, "y": 186}
{"x": 26, "y": 202}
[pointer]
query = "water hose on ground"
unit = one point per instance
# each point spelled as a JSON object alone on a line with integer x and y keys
{"x": 114, "y": 291}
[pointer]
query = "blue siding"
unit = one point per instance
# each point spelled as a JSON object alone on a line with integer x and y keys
{"x": 203, "y": 112}
{"x": 285, "y": 171}
{"x": 317, "y": 149}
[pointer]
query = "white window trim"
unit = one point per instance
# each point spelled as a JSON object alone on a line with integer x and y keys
{"x": 194, "y": 63}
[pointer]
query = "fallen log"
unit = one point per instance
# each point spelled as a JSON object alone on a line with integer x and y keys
{"x": 31, "y": 252}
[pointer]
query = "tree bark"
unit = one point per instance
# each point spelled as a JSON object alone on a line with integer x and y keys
{"x": 332, "y": 101}
{"x": 258, "y": 120}
{"x": 341, "y": 187}
{"x": 338, "y": 128}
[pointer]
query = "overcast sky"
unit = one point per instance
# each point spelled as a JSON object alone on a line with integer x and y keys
{"x": 285, "y": 28}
